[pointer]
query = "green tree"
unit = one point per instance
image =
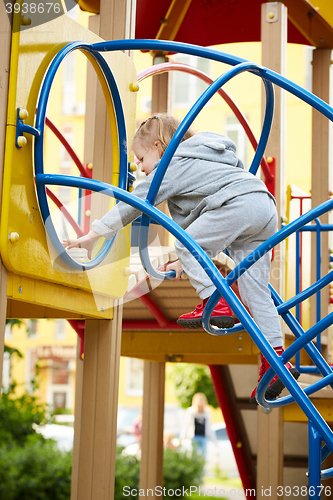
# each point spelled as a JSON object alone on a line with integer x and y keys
{"x": 31, "y": 467}
{"x": 18, "y": 416}
{"x": 190, "y": 379}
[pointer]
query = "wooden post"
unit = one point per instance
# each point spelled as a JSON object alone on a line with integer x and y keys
{"x": 274, "y": 45}
{"x": 160, "y": 88}
{"x": 97, "y": 454}
{"x": 94, "y": 457}
{"x": 321, "y": 182}
{"x": 5, "y": 39}
{"x": 151, "y": 472}
{"x": 77, "y": 422}
{"x": 269, "y": 452}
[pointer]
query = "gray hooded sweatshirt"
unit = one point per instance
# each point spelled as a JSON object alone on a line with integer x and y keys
{"x": 204, "y": 174}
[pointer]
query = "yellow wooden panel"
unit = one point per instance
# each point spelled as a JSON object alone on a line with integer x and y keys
{"x": 325, "y": 9}
{"x": 189, "y": 347}
{"x": 51, "y": 295}
{"x": 32, "y": 51}
{"x": 293, "y": 413}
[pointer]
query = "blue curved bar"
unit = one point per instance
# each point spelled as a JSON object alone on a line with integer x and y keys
{"x": 215, "y": 55}
{"x": 305, "y": 294}
{"x": 312, "y": 351}
{"x": 276, "y": 362}
{"x": 68, "y": 262}
{"x": 277, "y": 238}
{"x": 319, "y": 429}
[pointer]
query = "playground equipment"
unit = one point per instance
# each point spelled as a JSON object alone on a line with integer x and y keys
{"x": 318, "y": 428}
{"x": 88, "y": 291}
{"x": 76, "y": 280}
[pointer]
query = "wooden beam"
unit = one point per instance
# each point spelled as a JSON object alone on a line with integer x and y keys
{"x": 173, "y": 19}
{"x": 274, "y": 46}
{"x": 308, "y": 20}
{"x": 321, "y": 181}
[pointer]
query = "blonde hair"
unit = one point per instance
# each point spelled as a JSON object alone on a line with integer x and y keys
{"x": 198, "y": 398}
{"x": 161, "y": 128}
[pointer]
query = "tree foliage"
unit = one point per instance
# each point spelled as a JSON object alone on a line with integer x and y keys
{"x": 31, "y": 467}
{"x": 190, "y": 379}
{"x": 18, "y": 415}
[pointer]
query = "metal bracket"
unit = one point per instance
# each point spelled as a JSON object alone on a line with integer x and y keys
{"x": 272, "y": 12}
{"x": 21, "y": 127}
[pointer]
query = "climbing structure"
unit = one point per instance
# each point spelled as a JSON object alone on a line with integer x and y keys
{"x": 58, "y": 285}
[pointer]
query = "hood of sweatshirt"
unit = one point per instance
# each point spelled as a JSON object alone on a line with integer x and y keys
{"x": 210, "y": 147}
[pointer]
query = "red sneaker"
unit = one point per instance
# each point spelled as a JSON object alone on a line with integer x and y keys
{"x": 276, "y": 386}
{"x": 221, "y": 316}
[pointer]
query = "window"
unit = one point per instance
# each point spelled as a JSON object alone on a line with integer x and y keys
{"x": 32, "y": 328}
{"x": 188, "y": 88}
{"x": 60, "y": 373}
{"x": 8, "y": 331}
{"x": 146, "y": 104}
{"x": 60, "y": 329}
{"x": 235, "y": 131}
{"x": 6, "y": 371}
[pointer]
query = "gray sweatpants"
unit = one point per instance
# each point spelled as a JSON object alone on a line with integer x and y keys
{"x": 240, "y": 226}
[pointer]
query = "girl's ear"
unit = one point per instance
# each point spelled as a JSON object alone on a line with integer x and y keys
{"x": 157, "y": 145}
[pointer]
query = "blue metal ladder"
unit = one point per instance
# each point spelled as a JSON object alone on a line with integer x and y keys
{"x": 318, "y": 429}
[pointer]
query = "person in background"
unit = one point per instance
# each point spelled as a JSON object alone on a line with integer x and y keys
{"x": 197, "y": 423}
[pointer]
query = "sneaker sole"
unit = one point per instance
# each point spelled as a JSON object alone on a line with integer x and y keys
{"x": 274, "y": 390}
{"x": 219, "y": 321}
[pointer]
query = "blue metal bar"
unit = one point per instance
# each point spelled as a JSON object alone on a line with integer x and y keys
{"x": 313, "y": 227}
{"x": 298, "y": 287}
{"x": 318, "y": 276}
{"x": 305, "y": 294}
{"x": 327, "y": 473}
{"x": 298, "y": 331}
{"x": 299, "y": 395}
{"x": 314, "y": 462}
{"x": 275, "y": 361}
{"x": 325, "y": 452}
{"x": 256, "y": 255}
{"x": 277, "y": 238}
{"x": 319, "y": 426}
{"x": 215, "y": 55}
{"x": 68, "y": 262}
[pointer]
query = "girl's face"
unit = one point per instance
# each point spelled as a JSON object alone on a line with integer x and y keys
{"x": 146, "y": 157}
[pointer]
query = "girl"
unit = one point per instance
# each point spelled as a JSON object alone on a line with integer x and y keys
{"x": 197, "y": 423}
{"x": 218, "y": 203}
